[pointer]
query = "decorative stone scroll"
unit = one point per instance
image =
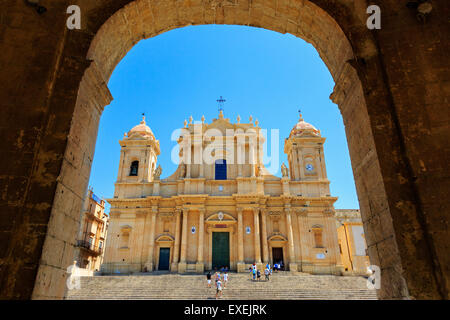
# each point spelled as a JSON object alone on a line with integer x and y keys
{"x": 328, "y": 212}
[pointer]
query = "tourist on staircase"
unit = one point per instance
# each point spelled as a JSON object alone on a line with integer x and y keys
{"x": 208, "y": 279}
{"x": 267, "y": 273}
{"x": 218, "y": 288}
{"x": 225, "y": 279}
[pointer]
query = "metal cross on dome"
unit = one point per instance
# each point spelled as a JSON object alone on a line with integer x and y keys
{"x": 221, "y": 102}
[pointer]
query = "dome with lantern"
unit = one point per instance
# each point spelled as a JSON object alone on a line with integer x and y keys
{"x": 303, "y": 128}
{"x": 142, "y": 129}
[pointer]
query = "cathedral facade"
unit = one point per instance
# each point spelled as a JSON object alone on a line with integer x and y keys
{"x": 222, "y": 207}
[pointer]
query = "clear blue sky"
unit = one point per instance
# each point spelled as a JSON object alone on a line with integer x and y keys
{"x": 259, "y": 72}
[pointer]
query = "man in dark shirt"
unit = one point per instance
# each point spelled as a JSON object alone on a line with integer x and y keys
{"x": 208, "y": 279}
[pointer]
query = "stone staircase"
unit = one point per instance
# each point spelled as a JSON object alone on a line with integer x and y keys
{"x": 282, "y": 286}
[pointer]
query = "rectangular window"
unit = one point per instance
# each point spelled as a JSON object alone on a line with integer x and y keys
{"x": 221, "y": 169}
{"x": 318, "y": 237}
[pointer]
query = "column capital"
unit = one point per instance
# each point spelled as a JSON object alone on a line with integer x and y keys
{"x": 185, "y": 210}
{"x": 303, "y": 212}
{"x": 202, "y": 209}
{"x": 155, "y": 209}
{"x": 328, "y": 212}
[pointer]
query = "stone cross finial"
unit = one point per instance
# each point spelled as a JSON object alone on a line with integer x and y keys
{"x": 238, "y": 119}
{"x": 203, "y": 119}
{"x": 221, "y": 101}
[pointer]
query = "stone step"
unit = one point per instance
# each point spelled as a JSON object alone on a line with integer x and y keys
{"x": 193, "y": 287}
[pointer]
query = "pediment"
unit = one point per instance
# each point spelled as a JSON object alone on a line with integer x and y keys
{"x": 276, "y": 236}
{"x": 165, "y": 238}
{"x": 221, "y": 124}
{"x": 220, "y": 217}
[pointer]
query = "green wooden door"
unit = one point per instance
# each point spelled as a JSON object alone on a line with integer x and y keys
{"x": 164, "y": 256}
{"x": 220, "y": 250}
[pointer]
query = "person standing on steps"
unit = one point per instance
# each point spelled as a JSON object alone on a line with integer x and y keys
{"x": 267, "y": 273}
{"x": 208, "y": 279}
{"x": 218, "y": 288}
{"x": 254, "y": 274}
{"x": 258, "y": 274}
{"x": 225, "y": 279}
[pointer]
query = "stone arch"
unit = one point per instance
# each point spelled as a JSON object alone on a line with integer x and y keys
{"x": 165, "y": 238}
{"x": 337, "y": 30}
{"x": 278, "y": 237}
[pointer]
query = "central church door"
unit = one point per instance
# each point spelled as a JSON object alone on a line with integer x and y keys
{"x": 164, "y": 255}
{"x": 220, "y": 250}
{"x": 277, "y": 254}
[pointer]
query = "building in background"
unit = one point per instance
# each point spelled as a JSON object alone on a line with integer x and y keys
{"x": 228, "y": 211}
{"x": 352, "y": 242}
{"x": 92, "y": 233}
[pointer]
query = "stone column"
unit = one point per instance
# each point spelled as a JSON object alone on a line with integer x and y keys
{"x": 296, "y": 165}
{"x": 264, "y": 236}
{"x": 257, "y": 238}
{"x": 318, "y": 165}
{"x": 292, "y": 263}
{"x": 306, "y": 264}
{"x": 151, "y": 245}
{"x": 301, "y": 163}
{"x": 240, "y": 263}
{"x": 200, "y": 267}
{"x": 252, "y": 156}
{"x": 240, "y": 158}
{"x": 332, "y": 245}
{"x": 184, "y": 231}
{"x": 176, "y": 248}
{"x": 202, "y": 167}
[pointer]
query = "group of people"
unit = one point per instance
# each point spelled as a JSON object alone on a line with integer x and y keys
{"x": 256, "y": 274}
{"x": 220, "y": 278}
{"x": 278, "y": 266}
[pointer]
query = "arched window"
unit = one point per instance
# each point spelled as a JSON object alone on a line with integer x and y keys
{"x": 134, "y": 168}
{"x": 317, "y": 231}
{"x": 221, "y": 169}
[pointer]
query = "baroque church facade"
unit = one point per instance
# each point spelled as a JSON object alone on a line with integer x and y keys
{"x": 221, "y": 207}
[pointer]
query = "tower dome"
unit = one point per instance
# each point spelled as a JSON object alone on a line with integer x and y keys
{"x": 142, "y": 129}
{"x": 302, "y": 127}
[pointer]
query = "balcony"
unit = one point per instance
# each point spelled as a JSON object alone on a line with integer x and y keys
{"x": 93, "y": 250}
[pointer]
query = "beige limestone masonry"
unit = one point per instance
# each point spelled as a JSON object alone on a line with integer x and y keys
{"x": 267, "y": 219}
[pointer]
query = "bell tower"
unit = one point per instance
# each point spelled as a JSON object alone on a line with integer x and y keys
{"x": 304, "y": 148}
{"x": 138, "y": 154}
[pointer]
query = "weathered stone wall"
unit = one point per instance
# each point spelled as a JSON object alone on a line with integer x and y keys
{"x": 394, "y": 114}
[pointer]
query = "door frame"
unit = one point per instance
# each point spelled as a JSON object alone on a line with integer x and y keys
{"x": 164, "y": 241}
{"x": 229, "y": 246}
{"x": 230, "y": 230}
{"x": 159, "y": 255}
